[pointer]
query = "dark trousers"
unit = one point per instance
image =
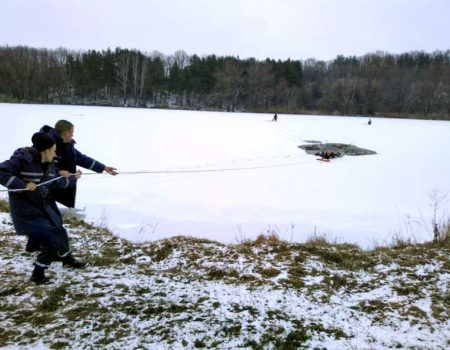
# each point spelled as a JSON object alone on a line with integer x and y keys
{"x": 52, "y": 242}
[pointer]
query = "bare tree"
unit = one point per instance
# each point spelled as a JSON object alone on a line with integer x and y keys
{"x": 438, "y": 201}
{"x": 144, "y": 65}
{"x": 64, "y": 80}
{"x": 229, "y": 83}
{"x": 123, "y": 58}
{"x": 260, "y": 85}
{"x": 135, "y": 75}
{"x": 19, "y": 67}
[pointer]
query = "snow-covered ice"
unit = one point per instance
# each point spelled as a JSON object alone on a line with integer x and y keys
{"x": 361, "y": 199}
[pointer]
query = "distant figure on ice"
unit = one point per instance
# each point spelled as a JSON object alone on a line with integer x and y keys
{"x": 275, "y": 118}
{"x": 33, "y": 209}
{"x": 68, "y": 159}
{"x": 369, "y": 122}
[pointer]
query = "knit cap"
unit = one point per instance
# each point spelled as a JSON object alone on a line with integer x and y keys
{"x": 42, "y": 141}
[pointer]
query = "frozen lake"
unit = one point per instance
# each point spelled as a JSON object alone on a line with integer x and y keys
{"x": 273, "y": 185}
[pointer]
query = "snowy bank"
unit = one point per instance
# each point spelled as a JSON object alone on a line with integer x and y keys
{"x": 186, "y": 293}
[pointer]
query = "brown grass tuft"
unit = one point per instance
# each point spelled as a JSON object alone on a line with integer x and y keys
{"x": 4, "y": 206}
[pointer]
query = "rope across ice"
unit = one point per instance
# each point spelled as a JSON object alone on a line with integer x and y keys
{"x": 176, "y": 172}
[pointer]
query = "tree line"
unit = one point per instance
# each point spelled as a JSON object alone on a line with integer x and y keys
{"x": 412, "y": 84}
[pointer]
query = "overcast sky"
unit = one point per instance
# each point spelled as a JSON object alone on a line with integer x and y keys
{"x": 279, "y": 29}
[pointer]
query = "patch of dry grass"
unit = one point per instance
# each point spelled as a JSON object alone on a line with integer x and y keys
{"x": 4, "y": 206}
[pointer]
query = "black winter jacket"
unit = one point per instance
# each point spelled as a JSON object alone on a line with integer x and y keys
{"x": 68, "y": 159}
{"x": 32, "y": 211}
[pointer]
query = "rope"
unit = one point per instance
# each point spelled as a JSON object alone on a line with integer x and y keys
{"x": 175, "y": 172}
{"x": 38, "y": 185}
{"x": 205, "y": 170}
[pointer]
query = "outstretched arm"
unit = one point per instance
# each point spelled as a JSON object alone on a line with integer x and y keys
{"x": 92, "y": 164}
{"x": 88, "y": 162}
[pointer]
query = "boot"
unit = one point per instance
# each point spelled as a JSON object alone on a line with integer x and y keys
{"x": 38, "y": 275}
{"x": 70, "y": 261}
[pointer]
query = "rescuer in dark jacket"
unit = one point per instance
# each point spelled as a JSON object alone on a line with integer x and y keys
{"x": 68, "y": 159}
{"x": 33, "y": 209}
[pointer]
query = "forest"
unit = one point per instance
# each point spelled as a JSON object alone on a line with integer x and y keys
{"x": 411, "y": 85}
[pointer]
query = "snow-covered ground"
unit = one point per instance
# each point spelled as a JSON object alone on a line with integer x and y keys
{"x": 363, "y": 199}
{"x": 184, "y": 293}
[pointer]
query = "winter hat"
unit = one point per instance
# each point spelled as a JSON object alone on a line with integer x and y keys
{"x": 42, "y": 141}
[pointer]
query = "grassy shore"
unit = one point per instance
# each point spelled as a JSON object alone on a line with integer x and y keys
{"x": 190, "y": 293}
